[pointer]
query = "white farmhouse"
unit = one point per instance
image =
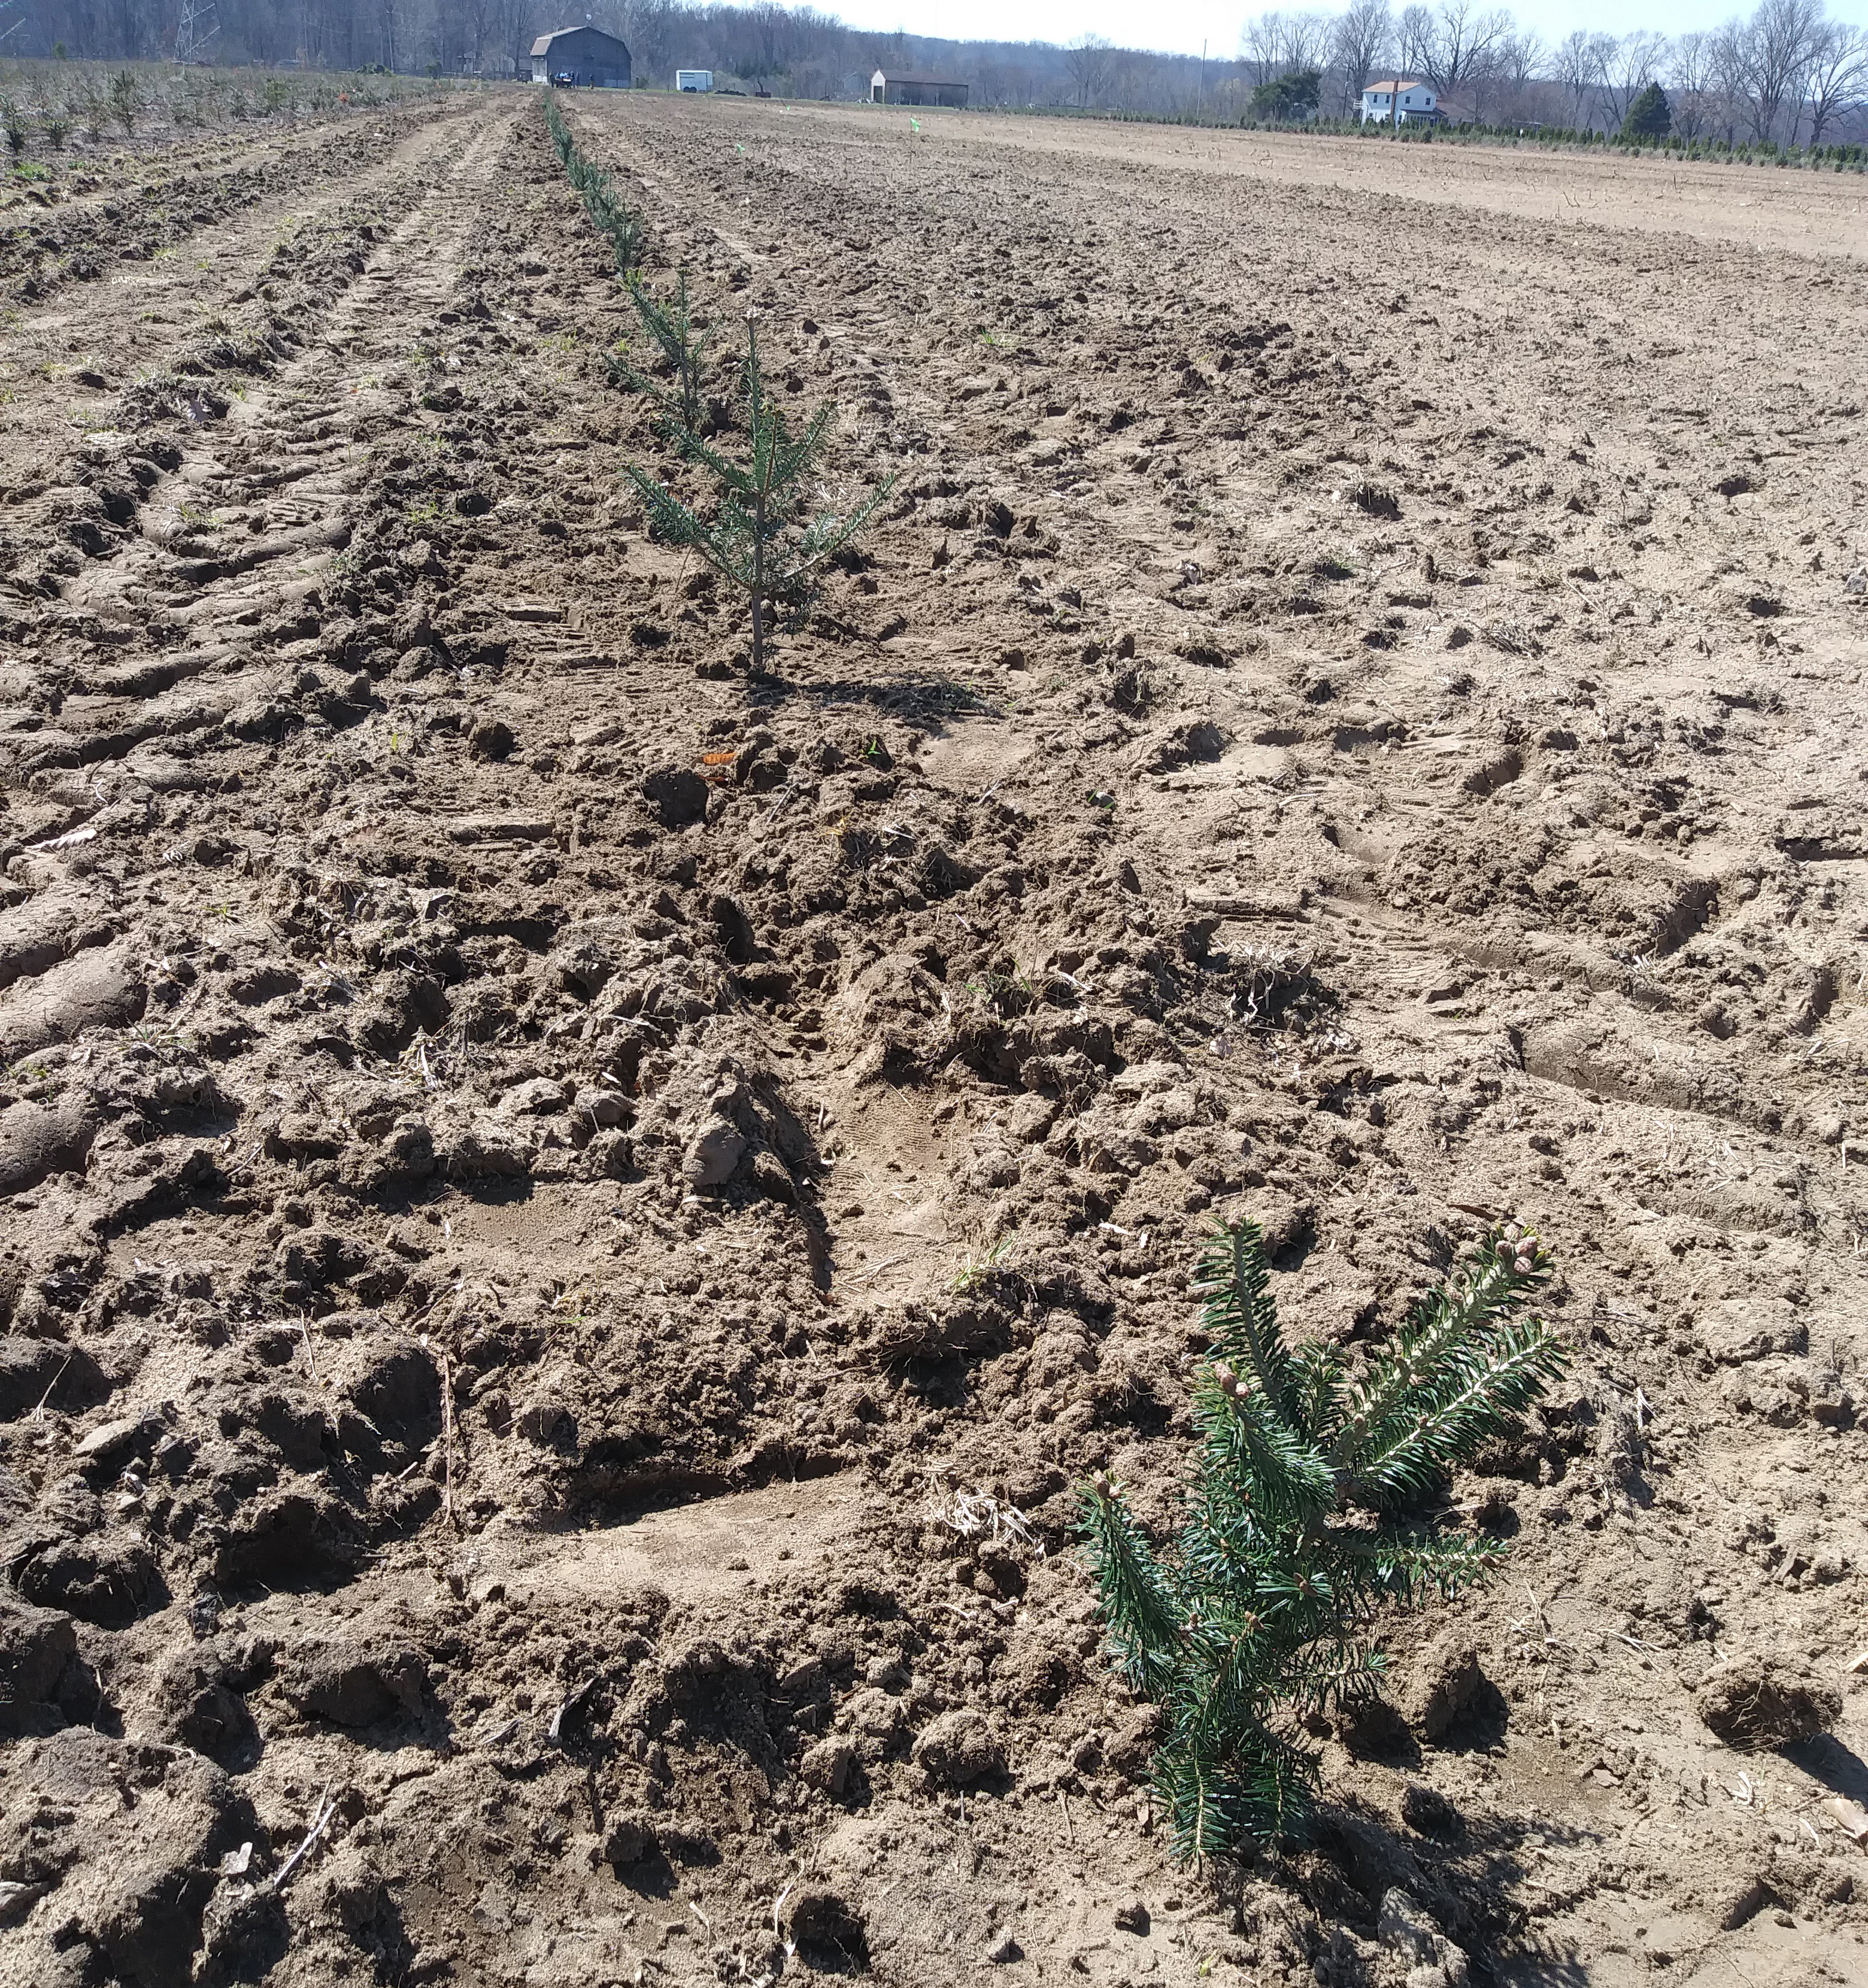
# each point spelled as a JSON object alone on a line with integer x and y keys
{"x": 1417, "y": 101}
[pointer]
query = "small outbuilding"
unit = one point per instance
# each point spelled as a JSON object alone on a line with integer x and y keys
{"x": 582, "y": 58}
{"x": 943, "y": 93}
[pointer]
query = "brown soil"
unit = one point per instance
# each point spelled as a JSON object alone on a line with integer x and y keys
{"x": 90, "y": 212}
{"x": 573, "y": 1217}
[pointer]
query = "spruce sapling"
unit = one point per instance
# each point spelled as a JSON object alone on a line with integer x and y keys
{"x": 761, "y": 537}
{"x": 670, "y": 327}
{"x": 1650, "y": 115}
{"x": 1296, "y": 1527}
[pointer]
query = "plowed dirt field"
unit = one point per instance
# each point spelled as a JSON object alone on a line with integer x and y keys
{"x": 573, "y": 1216}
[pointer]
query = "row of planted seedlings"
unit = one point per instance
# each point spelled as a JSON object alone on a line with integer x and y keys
{"x": 1316, "y": 1501}
{"x": 1841, "y": 158}
{"x": 754, "y": 466}
{"x": 54, "y": 102}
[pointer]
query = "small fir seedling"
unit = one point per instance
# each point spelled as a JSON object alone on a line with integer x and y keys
{"x": 95, "y": 110}
{"x": 125, "y": 101}
{"x": 762, "y": 537}
{"x": 671, "y": 331}
{"x": 1297, "y": 1526}
{"x": 597, "y": 191}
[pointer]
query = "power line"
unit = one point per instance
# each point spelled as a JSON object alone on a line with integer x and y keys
{"x": 195, "y": 29}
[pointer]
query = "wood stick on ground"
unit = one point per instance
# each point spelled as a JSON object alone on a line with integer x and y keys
{"x": 317, "y": 1379}
{"x": 39, "y": 1413}
{"x": 327, "y": 1808}
{"x": 447, "y": 1438}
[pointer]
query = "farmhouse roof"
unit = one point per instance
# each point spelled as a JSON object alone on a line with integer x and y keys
{"x": 926, "y": 82}
{"x": 1389, "y": 83}
{"x": 542, "y": 46}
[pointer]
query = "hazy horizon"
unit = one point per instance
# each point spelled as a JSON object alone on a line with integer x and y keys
{"x": 1177, "y": 27}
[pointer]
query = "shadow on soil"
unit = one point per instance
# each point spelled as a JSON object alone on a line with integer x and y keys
{"x": 1840, "y": 1769}
{"x": 1460, "y": 1868}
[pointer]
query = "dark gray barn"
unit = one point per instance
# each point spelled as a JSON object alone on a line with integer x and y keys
{"x": 591, "y": 59}
{"x": 947, "y": 91}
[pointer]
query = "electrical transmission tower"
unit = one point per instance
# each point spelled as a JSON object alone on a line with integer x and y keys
{"x": 195, "y": 29}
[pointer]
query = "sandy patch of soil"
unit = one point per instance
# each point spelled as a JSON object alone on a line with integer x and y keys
{"x": 1803, "y": 213}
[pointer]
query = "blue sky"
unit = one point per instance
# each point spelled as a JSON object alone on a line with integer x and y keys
{"x": 1182, "y": 25}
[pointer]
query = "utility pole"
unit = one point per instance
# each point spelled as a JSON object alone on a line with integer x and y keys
{"x": 1202, "y": 95}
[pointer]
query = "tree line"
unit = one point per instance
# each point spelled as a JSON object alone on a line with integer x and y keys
{"x": 792, "y": 50}
{"x": 1786, "y": 72}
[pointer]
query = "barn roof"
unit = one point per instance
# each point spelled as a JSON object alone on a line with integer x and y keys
{"x": 926, "y": 82}
{"x": 542, "y": 46}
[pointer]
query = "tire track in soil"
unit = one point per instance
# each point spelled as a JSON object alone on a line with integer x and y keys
{"x": 300, "y": 417}
{"x": 243, "y": 305}
{"x": 187, "y": 729}
{"x": 128, "y": 323}
{"x": 87, "y": 227}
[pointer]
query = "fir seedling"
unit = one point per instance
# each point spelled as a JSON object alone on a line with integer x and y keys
{"x": 95, "y": 110}
{"x": 597, "y": 191}
{"x": 671, "y": 331}
{"x": 1297, "y": 1526}
{"x": 125, "y": 101}
{"x": 762, "y": 538}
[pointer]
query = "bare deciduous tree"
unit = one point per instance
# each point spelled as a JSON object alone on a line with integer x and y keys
{"x": 1690, "y": 83}
{"x": 1729, "y": 57}
{"x": 1359, "y": 42}
{"x": 1781, "y": 38}
{"x": 1462, "y": 44}
{"x": 1624, "y": 66}
{"x": 1837, "y": 84}
{"x": 1090, "y": 64}
{"x": 1522, "y": 58}
{"x": 1307, "y": 41}
{"x": 1414, "y": 41}
{"x": 1575, "y": 69}
{"x": 1275, "y": 44}
{"x": 1260, "y": 40}
{"x": 653, "y": 29}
